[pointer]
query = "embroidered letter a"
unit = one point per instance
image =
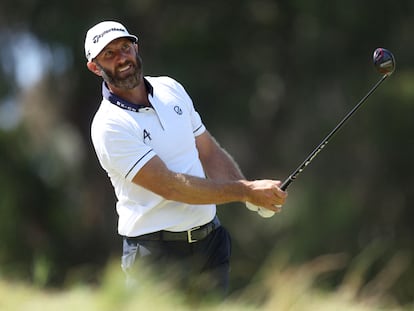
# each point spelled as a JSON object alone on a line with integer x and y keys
{"x": 147, "y": 135}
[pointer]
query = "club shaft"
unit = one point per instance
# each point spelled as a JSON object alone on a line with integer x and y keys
{"x": 324, "y": 142}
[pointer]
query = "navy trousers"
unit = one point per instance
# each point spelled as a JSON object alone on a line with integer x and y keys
{"x": 201, "y": 267}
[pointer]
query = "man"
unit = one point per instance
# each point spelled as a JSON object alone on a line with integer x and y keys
{"x": 167, "y": 171}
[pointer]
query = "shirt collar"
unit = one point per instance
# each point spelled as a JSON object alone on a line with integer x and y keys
{"x": 122, "y": 103}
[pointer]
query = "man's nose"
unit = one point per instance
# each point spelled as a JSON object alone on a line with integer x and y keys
{"x": 121, "y": 56}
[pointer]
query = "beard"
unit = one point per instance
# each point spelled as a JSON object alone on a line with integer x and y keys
{"x": 128, "y": 82}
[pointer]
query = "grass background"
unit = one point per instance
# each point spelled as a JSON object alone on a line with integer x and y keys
{"x": 278, "y": 286}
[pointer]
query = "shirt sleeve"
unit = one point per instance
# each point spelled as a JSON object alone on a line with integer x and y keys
{"x": 120, "y": 150}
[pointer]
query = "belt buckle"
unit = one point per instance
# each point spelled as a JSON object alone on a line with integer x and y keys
{"x": 189, "y": 235}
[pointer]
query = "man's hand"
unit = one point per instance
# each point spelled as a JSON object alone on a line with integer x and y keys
{"x": 273, "y": 195}
{"x": 266, "y": 193}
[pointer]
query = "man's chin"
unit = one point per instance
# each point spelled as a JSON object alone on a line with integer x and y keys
{"x": 126, "y": 83}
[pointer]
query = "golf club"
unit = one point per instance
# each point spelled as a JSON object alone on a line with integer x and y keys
{"x": 384, "y": 62}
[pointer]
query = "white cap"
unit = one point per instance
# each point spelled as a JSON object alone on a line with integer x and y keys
{"x": 103, "y": 33}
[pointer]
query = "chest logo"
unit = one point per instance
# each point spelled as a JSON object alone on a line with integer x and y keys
{"x": 178, "y": 110}
{"x": 147, "y": 135}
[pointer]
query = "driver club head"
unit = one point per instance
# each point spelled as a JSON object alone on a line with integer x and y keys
{"x": 384, "y": 61}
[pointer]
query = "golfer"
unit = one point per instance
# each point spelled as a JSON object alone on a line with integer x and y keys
{"x": 167, "y": 170}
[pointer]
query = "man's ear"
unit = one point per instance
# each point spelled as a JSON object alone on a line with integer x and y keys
{"x": 94, "y": 68}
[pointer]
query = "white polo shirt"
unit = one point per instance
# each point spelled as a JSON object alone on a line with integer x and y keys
{"x": 126, "y": 136}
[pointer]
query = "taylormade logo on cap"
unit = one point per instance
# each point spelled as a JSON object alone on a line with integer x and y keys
{"x": 97, "y": 37}
{"x": 101, "y": 35}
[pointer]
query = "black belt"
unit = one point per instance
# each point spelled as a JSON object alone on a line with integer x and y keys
{"x": 192, "y": 235}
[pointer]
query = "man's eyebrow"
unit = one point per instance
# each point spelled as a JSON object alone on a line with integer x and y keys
{"x": 119, "y": 43}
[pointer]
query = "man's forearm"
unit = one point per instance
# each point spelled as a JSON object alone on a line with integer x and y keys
{"x": 156, "y": 177}
{"x": 217, "y": 163}
{"x": 222, "y": 166}
{"x": 194, "y": 190}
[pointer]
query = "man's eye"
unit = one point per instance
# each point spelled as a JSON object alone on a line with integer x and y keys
{"x": 126, "y": 47}
{"x": 108, "y": 54}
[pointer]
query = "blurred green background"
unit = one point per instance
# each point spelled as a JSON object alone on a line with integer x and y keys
{"x": 270, "y": 79}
